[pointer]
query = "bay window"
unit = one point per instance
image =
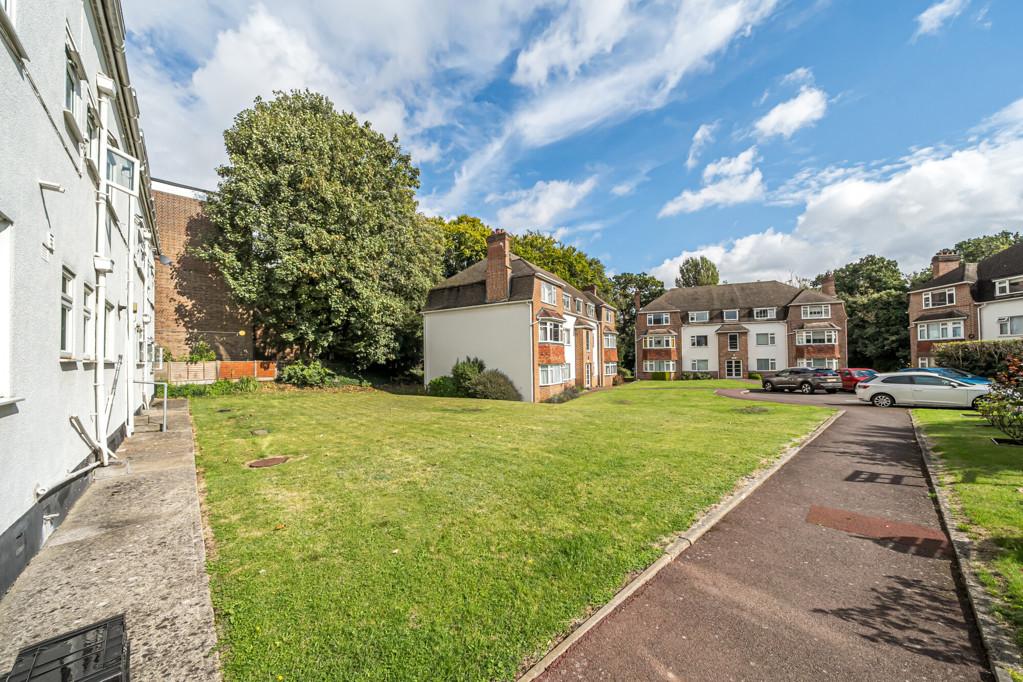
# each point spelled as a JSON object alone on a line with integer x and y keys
{"x": 551, "y": 375}
{"x": 658, "y": 365}
{"x": 610, "y": 341}
{"x": 817, "y": 337}
{"x": 940, "y": 331}
{"x": 551, "y": 332}
{"x": 818, "y": 363}
{"x": 659, "y": 341}
{"x": 548, "y": 293}
{"x": 610, "y": 368}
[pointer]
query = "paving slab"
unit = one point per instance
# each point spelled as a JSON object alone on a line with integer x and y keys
{"x": 132, "y": 544}
{"x": 837, "y": 568}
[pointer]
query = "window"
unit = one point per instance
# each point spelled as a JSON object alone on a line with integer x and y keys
{"x": 817, "y": 337}
{"x": 553, "y": 374}
{"x": 1010, "y": 326}
{"x": 899, "y": 379}
{"x": 819, "y": 363}
{"x": 6, "y": 263}
{"x": 765, "y": 338}
{"x": 610, "y": 369}
{"x": 578, "y": 305}
{"x": 551, "y": 332}
{"x": 1004, "y": 287}
{"x": 766, "y": 364}
{"x": 733, "y": 342}
{"x": 699, "y": 365}
{"x": 937, "y": 299}
{"x": 923, "y": 362}
{"x": 699, "y": 316}
{"x": 566, "y": 301}
{"x": 764, "y": 313}
{"x": 586, "y": 337}
{"x": 659, "y": 341}
{"x": 698, "y": 341}
{"x": 731, "y": 315}
{"x": 609, "y": 316}
{"x": 591, "y": 311}
{"x": 67, "y": 306}
{"x": 122, "y": 170}
{"x": 88, "y": 331}
{"x": 656, "y": 319}
{"x": 548, "y": 293}
{"x": 72, "y": 89}
{"x": 610, "y": 341}
{"x": 108, "y": 331}
{"x": 658, "y": 365}
{"x": 939, "y": 331}
{"x": 817, "y": 311}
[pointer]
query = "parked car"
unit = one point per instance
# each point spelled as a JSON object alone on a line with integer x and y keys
{"x": 853, "y": 375}
{"x": 925, "y": 389}
{"x": 950, "y": 373}
{"x": 804, "y": 380}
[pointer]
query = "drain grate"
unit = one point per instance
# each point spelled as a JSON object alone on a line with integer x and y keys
{"x": 267, "y": 462}
{"x": 95, "y": 653}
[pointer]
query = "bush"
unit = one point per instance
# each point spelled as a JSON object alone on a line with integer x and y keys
{"x": 570, "y": 393}
{"x": 444, "y": 387}
{"x": 756, "y": 376}
{"x": 1003, "y": 406}
{"x": 304, "y": 374}
{"x": 625, "y": 373}
{"x": 217, "y": 388}
{"x": 693, "y": 376}
{"x": 465, "y": 372}
{"x": 492, "y": 384}
{"x": 660, "y": 376}
{"x": 201, "y": 352}
{"x": 986, "y": 358}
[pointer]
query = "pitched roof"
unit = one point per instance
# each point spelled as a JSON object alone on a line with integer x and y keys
{"x": 742, "y": 296}
{"x": 1002, "y": 265}
{"x": 731, "y": 327}
{"x": 819, "y": 325}
{"x": 966, "y": 272}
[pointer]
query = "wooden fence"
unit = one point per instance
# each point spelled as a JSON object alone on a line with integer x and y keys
{"x": 208, "y": 372}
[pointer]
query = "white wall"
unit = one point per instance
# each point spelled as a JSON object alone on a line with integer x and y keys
{"x": 570, "y": 349}
{"x": 500, "y": 335}
{"x": 779, "y": 351}
{"x": 990, "y": 312}
{"x": 709, "y": 352}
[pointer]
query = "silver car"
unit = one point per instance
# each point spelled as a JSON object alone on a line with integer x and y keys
{"x": 921, "y": 389}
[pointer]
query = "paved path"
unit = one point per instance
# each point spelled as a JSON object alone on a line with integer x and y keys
{"x": 132, "y": 544}
{"x": 835, "y": 569}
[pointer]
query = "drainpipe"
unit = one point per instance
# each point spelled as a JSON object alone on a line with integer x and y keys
{"x": 103, "y": 266}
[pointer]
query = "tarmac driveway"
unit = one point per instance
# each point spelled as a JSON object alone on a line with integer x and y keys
{"x": 835, "y": 569}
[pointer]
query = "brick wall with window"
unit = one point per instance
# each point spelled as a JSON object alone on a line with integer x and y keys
{"x": 961, "y": 310}
{"x": 656, "y": 322}
{"x": 798, "y": 322}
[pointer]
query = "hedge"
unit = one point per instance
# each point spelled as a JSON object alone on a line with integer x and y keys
{"x": 986, "y": 358}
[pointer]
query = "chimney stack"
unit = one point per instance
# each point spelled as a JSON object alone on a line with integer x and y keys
{"x": 944, "y": 261}
{"x": 828, "y": 284}
{"x": 636, "y": 301}
{"x": 590, "y": 289}
{"x": 498, "y": 266}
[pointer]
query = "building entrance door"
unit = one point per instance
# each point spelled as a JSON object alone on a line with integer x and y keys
{"x": 733, "y": 369}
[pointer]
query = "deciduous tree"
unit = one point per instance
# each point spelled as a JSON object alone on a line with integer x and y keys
{"x": 624, "y": 288}
{"x": 697, "y": 271}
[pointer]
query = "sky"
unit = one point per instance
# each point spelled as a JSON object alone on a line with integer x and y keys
{"x": 780, "y": 138}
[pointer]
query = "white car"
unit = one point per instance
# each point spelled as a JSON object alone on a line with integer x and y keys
{"x": 921, "y": 389}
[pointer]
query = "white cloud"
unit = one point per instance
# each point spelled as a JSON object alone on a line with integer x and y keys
{"x": 543, "y": 206}
{"x": 703, "y": 136}
{"x": 801, "y": 76}
{"x": 727, "y": 181}
{"x": 806, "y": 108}
{"x": 905, "y": 210}
{"x": 934, "y": 17}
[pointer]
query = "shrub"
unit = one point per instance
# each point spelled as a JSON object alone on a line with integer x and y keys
{"x": 1003, "y": 406}
{"x": 465, "y": 372}
{"x": 492, "y": 384}
{"x": 625, "y": 373}
{"x": 693, "y": 376}
{"x": 217, "y": 388}
{"x": 201, "y": 352}
{"x": 660, "y": 376}
{"x": 986, "y": 358}
{"x": 570, "y": 393}
{"x": 304, "y": 373}
{"x": 756, "y": 376}
{"x": 444, "y": 387}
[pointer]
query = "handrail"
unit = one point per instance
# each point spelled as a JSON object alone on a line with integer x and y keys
{"x": 164, "y": 384}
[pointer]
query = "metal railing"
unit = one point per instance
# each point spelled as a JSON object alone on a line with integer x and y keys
{"x": 163, "y": 427}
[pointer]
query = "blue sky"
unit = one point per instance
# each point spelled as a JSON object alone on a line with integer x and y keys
{"x": 777, "y": 137}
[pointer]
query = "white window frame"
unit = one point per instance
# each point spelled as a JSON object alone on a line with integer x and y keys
{"x": 695, "y": 365}
{"x": 950, "y": 298}
{"x": 666, "y": 341}
{"x": 551, "y": 331}
{"x": 579, "y": 305}
{"x": 108, "y": 331}
{"x": 609, "y": 316}
{"x": 923, "y": 361}
{"x": 652, "y": 319}
{"x": 731, "y": 336}
{"x": 1005, "y": 325}
{"x": 824, "y": 310}
{"x": 6, "y": 282}
{"x": 548, "y": 293}
{"x": 72, "y": 82}
{"x": 731, "y": 315}
{"x": 552, "y": 375}
{"x": 88, "y": 320}
{"x": 944, "y": 330}
{"x": 829, "y": 363}
{"x": 67, "y": 313}
{"x": 765, "y": 313}
{"x": 1003, "y": 287}
{"x": 699, "y": 316}
{"x": 772, "y": 364}
{"x": 610, "y": 340}
{"x": 730, "y": 365}
{"x": 694, "y": 344}
{"x": 591, "y": 310}
{"x": 771, "y": 339}
{"x": 610, "y": 369}
{"x": 111, "y": 178}
{"x": 566, "y": 301}
{"x": 652, "y": 365}
{"x": 805, "y": 337}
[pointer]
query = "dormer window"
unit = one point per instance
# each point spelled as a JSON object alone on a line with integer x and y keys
{"x": 937, "y": 299}
{"x": 578, "y": 305}
{"x": 1004, "y": 287}
{"x": 566, "y": 301}
{"x": 731, "y": 315}
{"x": 816, "y": 312}
{"x": 656, "y": 319}
{"x": 591, "y": 310}
{"x": 699, "y": 316}
{"x": 548, "y": 293}
{"x": 764, "y": 313}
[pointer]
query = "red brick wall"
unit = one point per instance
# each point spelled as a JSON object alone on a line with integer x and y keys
{"x": 840, "y": 351}
{"x": 724, "y": 354}
{"x": 192, "y": 301}
{"x": 674, "y": 324}
{"x": 964, "y": 304}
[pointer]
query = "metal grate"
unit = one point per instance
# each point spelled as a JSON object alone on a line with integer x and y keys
{"x": 95, "y": 653}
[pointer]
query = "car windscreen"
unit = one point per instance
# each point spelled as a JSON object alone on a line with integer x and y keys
{"x": 864, "y": 373}
{"x": 825, "y": 372}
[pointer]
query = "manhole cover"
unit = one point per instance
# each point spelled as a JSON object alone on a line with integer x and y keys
{"x": 267, "y": 462}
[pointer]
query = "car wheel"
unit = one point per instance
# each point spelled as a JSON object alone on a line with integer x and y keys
{"x": 882, "y": 400}
{"x": 806, "y": 387}
{"x": 768, "y": 386}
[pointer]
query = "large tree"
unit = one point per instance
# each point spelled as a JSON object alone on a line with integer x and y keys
{"x": 868, "y": 275}
{"x": 624, "y": 288}
{"x": 979, "y": 248}
{"x": 465, "y": 242}
{"x": 697, "y": 271}
{"x": 316, "y": 231}
{"x": 567, "y": 262}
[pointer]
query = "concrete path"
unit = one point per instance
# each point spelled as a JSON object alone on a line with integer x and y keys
{"x": 835, "y": 569}
{"x": 132, "y": 544}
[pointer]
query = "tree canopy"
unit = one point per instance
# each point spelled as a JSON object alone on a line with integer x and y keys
{"x": 978, "y": 248}
{"x": 697, "y": 271}
{"x": 567, "y": 262}
{"x": 868, "y": 275}
{"x": 465, "y": 242}
{"x": 623, "y": 292}
{"x": 316, "y": 231}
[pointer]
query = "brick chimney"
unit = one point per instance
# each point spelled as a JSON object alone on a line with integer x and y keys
{"x": 590, "y": 289}
{"x": 637, "y": 301}
{"x": 498, "y": 266}
{"x": 944, "y": 261}
{"x": 828, "y": 284}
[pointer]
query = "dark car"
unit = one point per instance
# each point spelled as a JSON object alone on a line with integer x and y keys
{"x": 854, "y": 375}
{"x": 804, "y": 380}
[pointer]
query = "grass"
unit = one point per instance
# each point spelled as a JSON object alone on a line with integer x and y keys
{"x": 985, "y": 480}
{"x": 429, "y": 538}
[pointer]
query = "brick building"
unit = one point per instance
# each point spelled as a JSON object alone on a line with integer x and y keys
{"x": 193, "y": 303}
{"x": 729, "y": 330}
{"x": 966, "y": 301}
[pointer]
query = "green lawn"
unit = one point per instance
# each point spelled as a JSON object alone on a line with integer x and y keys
{"x": 428, "y": 538}
{"x": 985, "y": 480}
